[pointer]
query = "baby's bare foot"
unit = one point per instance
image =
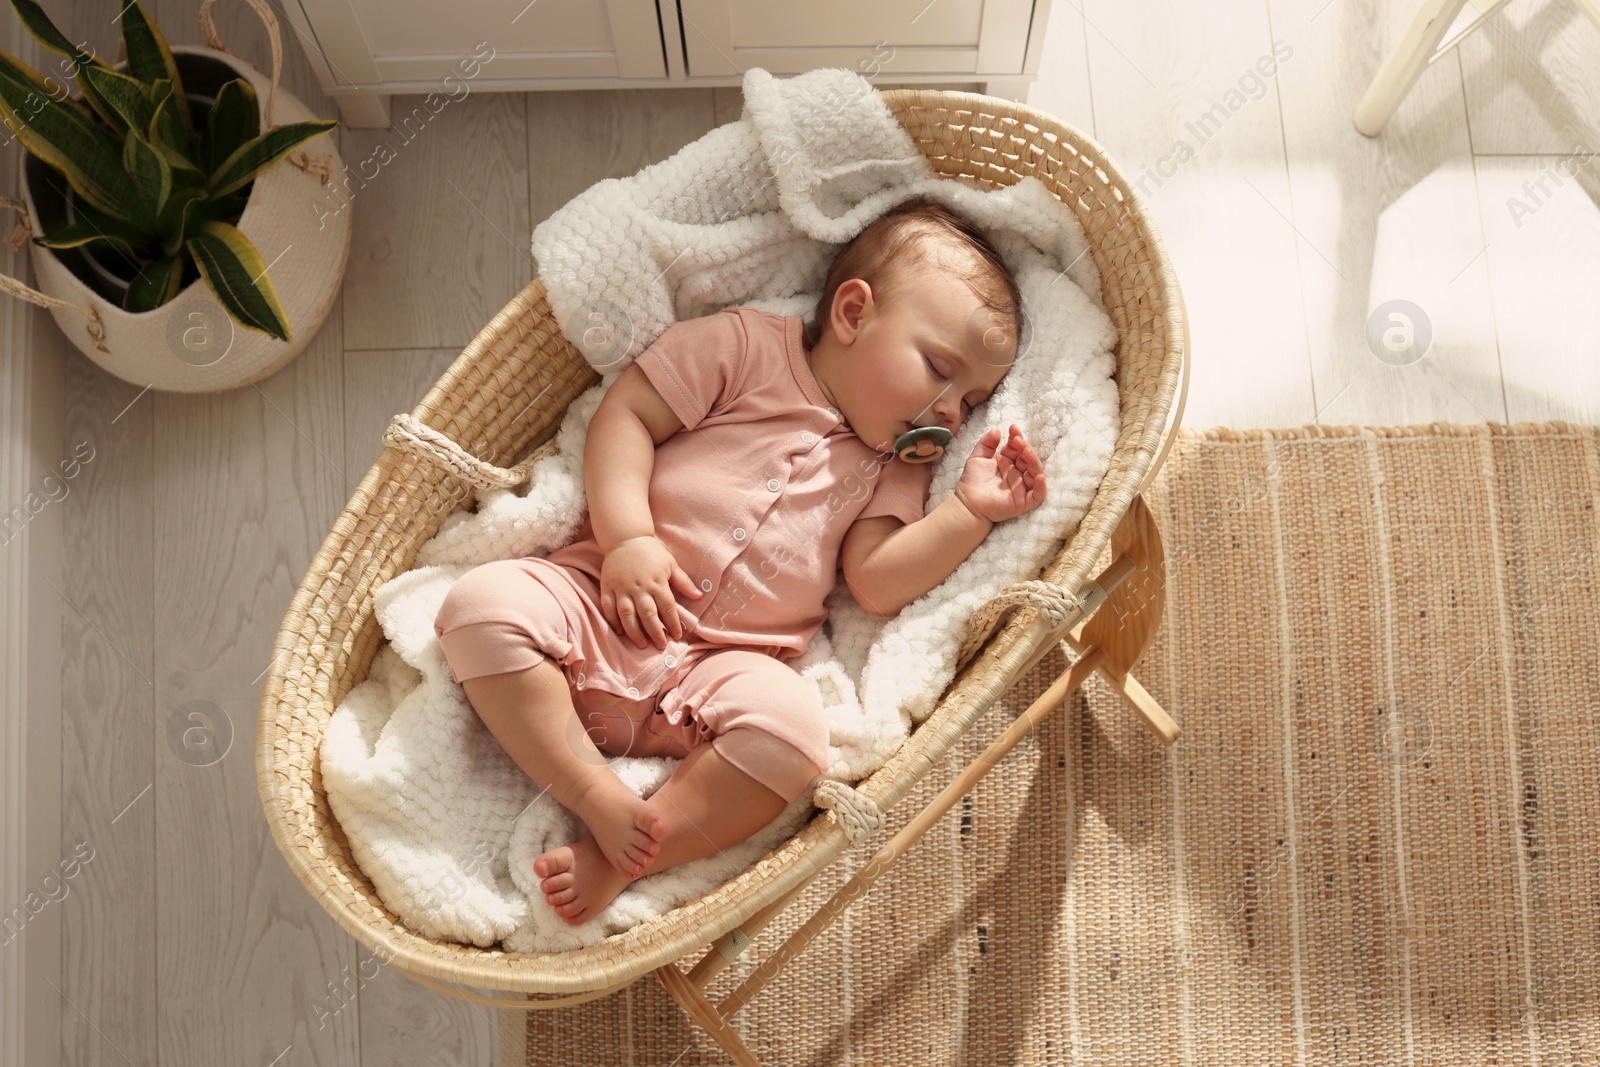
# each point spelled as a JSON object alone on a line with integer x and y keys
{"x": 578, "y": 881}
{"x": 627, "y": 829}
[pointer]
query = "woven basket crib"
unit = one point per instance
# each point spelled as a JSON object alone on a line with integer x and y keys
{"x": 480, "y": 425}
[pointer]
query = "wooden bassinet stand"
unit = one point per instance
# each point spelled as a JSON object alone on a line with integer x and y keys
{"x": 503, "y": 399}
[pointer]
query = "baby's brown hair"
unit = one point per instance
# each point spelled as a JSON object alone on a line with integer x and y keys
{"x": 879, "y": 255}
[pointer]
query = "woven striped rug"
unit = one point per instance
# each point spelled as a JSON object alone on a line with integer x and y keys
{"x": 1374, "y": 843}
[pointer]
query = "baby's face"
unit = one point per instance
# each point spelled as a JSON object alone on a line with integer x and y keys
{"x": 926, "y": 356}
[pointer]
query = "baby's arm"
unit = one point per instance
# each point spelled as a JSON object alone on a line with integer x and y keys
{"x": 619, "y": 455}
{"x": 637, "y": 573}
{"x": 888, "y": 564}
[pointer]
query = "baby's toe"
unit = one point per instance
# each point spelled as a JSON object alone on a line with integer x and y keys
{"x": 641, "y": 846}
{"x": 556, "y": 882}
{"x": 649, "y": 826}
{"x": 553, "y": 862}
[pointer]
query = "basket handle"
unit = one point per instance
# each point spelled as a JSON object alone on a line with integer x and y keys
{"x": 208, "y": 32}
{"x": 410, "y": 433}
{"x": 12, "y": 287}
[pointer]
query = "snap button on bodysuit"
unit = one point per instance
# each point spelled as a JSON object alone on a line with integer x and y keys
{"x": 738, "y": 534}
{"x": 772, "y": 483}
{"x": 808, "y": 437}
{"x": 633, "y": 691}
{"x": 705, "y": 583}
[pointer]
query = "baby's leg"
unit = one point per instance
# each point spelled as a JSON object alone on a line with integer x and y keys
{"x": 707, "y": 805}
{"x": 531, "y": 713}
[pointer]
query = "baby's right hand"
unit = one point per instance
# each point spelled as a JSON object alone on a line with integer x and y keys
{"x": 636, "y": 581}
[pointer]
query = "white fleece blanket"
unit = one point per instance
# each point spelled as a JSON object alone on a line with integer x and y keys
{"x": 437, "y": 815}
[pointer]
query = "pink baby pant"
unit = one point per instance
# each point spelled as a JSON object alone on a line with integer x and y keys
{"x": 758, "y": 713}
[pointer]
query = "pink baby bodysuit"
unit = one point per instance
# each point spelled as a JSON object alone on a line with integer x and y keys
{"x": 754, "y": 495}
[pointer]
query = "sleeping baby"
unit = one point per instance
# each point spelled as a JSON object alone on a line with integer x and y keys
{"x": 732, "y": 471}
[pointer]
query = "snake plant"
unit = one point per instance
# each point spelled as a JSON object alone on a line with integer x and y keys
{"x": 156, "y": 183}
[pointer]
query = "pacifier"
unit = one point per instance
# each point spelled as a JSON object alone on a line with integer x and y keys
{"x": 922, "y": 444}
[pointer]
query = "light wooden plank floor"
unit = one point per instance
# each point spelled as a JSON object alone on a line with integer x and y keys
{"x": 189, "y": 941}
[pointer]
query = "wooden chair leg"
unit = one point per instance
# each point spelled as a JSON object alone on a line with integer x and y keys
{"x": 705, "y": 1013}
{"x": 1405, "y": 64}
{"x": 1590, "y": 8}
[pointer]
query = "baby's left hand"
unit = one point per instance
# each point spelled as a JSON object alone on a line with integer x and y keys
{"x": 1004, "y": 485}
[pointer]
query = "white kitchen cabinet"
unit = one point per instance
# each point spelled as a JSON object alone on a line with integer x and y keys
{"x": 366, "y": 50}
{"x": 943, "y": 37}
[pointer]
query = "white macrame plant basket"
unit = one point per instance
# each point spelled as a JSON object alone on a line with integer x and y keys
{"x": 296, "y": 219}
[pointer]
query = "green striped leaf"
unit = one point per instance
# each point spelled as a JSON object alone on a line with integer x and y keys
{"x": 128, "y": 97}
{"x": 253, "y": 157}
{"x": 28, "y": 90}
{"x": 233, "y": 268}
{"x": 155, "y": 285}
{"x": 111, "y": 227}
{"x": 152, "y": 174}
{"x": 77, "y": 234}
{"x": 235, "y": 120}
{"x": 39, "y": 24}
{"x": 182, "y": 217}
{"x": 229, "y": 209}
{"x": 64, "y": 135}
{"x": 166, "y": 132}
{"x": 149, "y": 60}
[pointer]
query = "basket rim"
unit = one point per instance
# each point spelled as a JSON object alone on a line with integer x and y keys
{"x": 1016, "y": 643}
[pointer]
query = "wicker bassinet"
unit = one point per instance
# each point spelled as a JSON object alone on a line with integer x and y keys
{"x": 485, "y": 405}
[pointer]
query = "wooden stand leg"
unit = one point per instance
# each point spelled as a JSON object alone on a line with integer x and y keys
{"x": 1138, "y": 700}
{"x": 1111, "y": 641}
{"x": 703, "y": 1012}
{"x": 725, "y": 949}
{"x": 885, "y": 857}
{"x": 1126, "y": 623}
{"x": 731, "y": 944}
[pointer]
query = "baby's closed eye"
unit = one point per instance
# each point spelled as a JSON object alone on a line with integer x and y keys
{"x": 966, "y": 404}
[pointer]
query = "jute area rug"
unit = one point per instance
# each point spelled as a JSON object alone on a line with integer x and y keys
{"x": 1374, "y": 843}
